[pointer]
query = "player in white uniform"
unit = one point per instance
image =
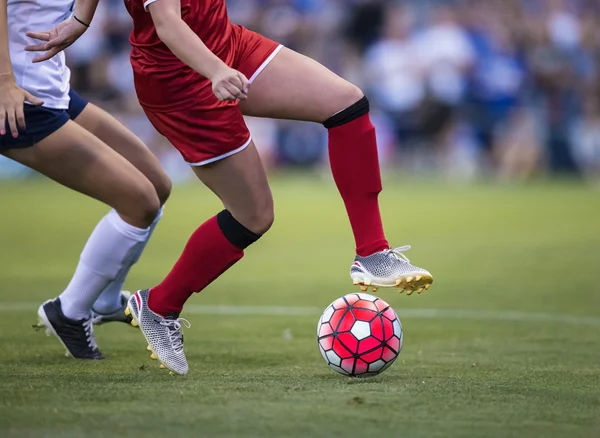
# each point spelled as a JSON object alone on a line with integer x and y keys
{"x": 47, "y": 127}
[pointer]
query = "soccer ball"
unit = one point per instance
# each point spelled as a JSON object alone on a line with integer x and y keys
{"x": 359, "y": 335}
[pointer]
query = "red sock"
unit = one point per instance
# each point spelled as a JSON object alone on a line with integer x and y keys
{"x": 355, "y": 167}
{"x": 206, "y": 256}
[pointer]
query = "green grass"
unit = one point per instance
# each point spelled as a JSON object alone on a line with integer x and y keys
{"x": 493, "y": 249}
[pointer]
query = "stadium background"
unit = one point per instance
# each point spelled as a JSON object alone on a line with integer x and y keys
{"x": 506, "y": 88}
{"x": 490, "y": 138}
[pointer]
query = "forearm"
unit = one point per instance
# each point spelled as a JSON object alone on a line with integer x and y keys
{"x": 187, "y": 46}
{"x": 85, "y": 10}
{"x": 5, "y": 63}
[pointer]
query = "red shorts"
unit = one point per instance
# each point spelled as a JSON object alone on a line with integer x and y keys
{"x": 209, "y": 130}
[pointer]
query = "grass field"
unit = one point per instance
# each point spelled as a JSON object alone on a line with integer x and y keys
{"x": 506, "y": 343}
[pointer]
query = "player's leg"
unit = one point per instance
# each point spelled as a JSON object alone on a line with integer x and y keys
{"x": 241, "y": 184}
{"x": 78, "y": 160}
{"x": 293, "y": 86}
{"x": 212, "y": 136}
{"x": 111, "y": 303}
{"x": 122, "y": 140}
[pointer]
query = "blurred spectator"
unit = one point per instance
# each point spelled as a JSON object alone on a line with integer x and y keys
{"x": 498, "y": 87}
{"x": 585, "y": 138}
{"x": 365, "y": 22}
{"x": 395, "y": 75}
{"x": 497, "y": 78}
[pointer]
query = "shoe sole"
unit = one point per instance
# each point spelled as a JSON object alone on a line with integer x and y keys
{"x": 47, "y": 325}
{"x": 405, "y": 283}
{"x": 135, "y": 323}
{"x": 100, "y": 321}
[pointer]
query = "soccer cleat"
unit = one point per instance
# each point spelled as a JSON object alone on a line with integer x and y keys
{"x": 389, "y": 268}
{"x": 77, "y": 336}
{"x": 116, "y": 316}
{"x": 164, "y": 335}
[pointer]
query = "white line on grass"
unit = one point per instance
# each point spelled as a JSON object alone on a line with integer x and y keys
{"x": 471, "y": 314}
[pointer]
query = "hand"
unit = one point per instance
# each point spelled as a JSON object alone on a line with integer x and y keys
{"x": 57, "y": 39}
{"x": 230, "y": 84}
{"x": 12, "y": 98}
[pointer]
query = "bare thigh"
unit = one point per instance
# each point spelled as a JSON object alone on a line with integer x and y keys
{"x": 241, "y": 184}
{"x": 127, "y": 144}
{"x": 296, "y": 87}
{"x": 77, "y": 159}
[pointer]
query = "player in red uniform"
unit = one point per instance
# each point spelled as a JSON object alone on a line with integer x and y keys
{"x": 196, "y": 75}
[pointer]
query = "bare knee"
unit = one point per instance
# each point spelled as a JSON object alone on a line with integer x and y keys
{"x": 347, "y": 95}
{"x": 264, "y": 220}
{"x": 140, "y": 206}
{"x": 163, "y": 188}
{"x": 149, "y": 209}
{"x": 260, "y": 219}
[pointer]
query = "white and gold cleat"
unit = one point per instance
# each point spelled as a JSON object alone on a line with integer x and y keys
{"x": 164, "y": 336}
{"x": 389, "y": 268}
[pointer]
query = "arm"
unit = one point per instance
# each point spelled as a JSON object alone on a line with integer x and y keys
{"x": 85, "y": 9}
{"x": 228, "y": 84}
{"x": 5, "y": 64}
{"x": 12, "y": 97}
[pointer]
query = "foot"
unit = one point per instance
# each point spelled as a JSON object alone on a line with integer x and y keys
{"x": 77, "y": 336}
{"x": 389, "y": 268}
{"x": 164, "y": 334}
{"x": 116, "y": 316}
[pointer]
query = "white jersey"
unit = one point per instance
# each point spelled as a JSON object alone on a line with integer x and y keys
{"x": 48, "y": 80}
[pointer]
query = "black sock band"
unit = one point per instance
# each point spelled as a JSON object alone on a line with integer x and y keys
{"x": 239, "y": 236}
{"x": 353, "y": 112}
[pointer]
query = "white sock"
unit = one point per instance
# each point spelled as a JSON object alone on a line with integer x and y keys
{"x": 109, "y": 300}
{"x": 111, "y": 246}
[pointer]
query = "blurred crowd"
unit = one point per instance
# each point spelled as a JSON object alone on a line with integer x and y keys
{"x": 465, "y": 88}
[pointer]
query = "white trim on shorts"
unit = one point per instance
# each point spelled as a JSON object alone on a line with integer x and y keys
{"x": 265, "y": 63}
{"x": 148, "y": 3}
{"x": 245, "y": 145}
{"x": 220, "y": 157}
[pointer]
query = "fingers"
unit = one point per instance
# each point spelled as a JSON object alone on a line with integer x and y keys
{"x": 236, "y": 82}
{"x": 226, "y": 91}
{"x": 245, "y": 82}
{"x": 42, "y": 36}
{"x": 223, "y": 94}
{"x": 12, "y": 122}
{"x": 14, "y": 114}
{"x": 232, "y": 86}
{"x": 42, "y": 47}
{"x": 32, "y": 99}
{"x": 234, "y": 90}
{"x": 20, "y": 115}
{"x": 235, "y": 86}
{"x": 48, "y": 55}
{"x": 2, "y": 121}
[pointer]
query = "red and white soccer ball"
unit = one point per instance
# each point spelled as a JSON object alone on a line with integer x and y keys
{"x": 359, "y": 335}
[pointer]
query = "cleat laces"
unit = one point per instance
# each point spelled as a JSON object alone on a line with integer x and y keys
{"x": 88, "y": 327}
{"x": 397, "y": 253}
{"x": 174, "y": 333}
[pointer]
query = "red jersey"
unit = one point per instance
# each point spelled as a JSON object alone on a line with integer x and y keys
{"x": 162, "y": 81}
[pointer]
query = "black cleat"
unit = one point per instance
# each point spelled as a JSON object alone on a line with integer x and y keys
{"x": 77, "y": 336}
